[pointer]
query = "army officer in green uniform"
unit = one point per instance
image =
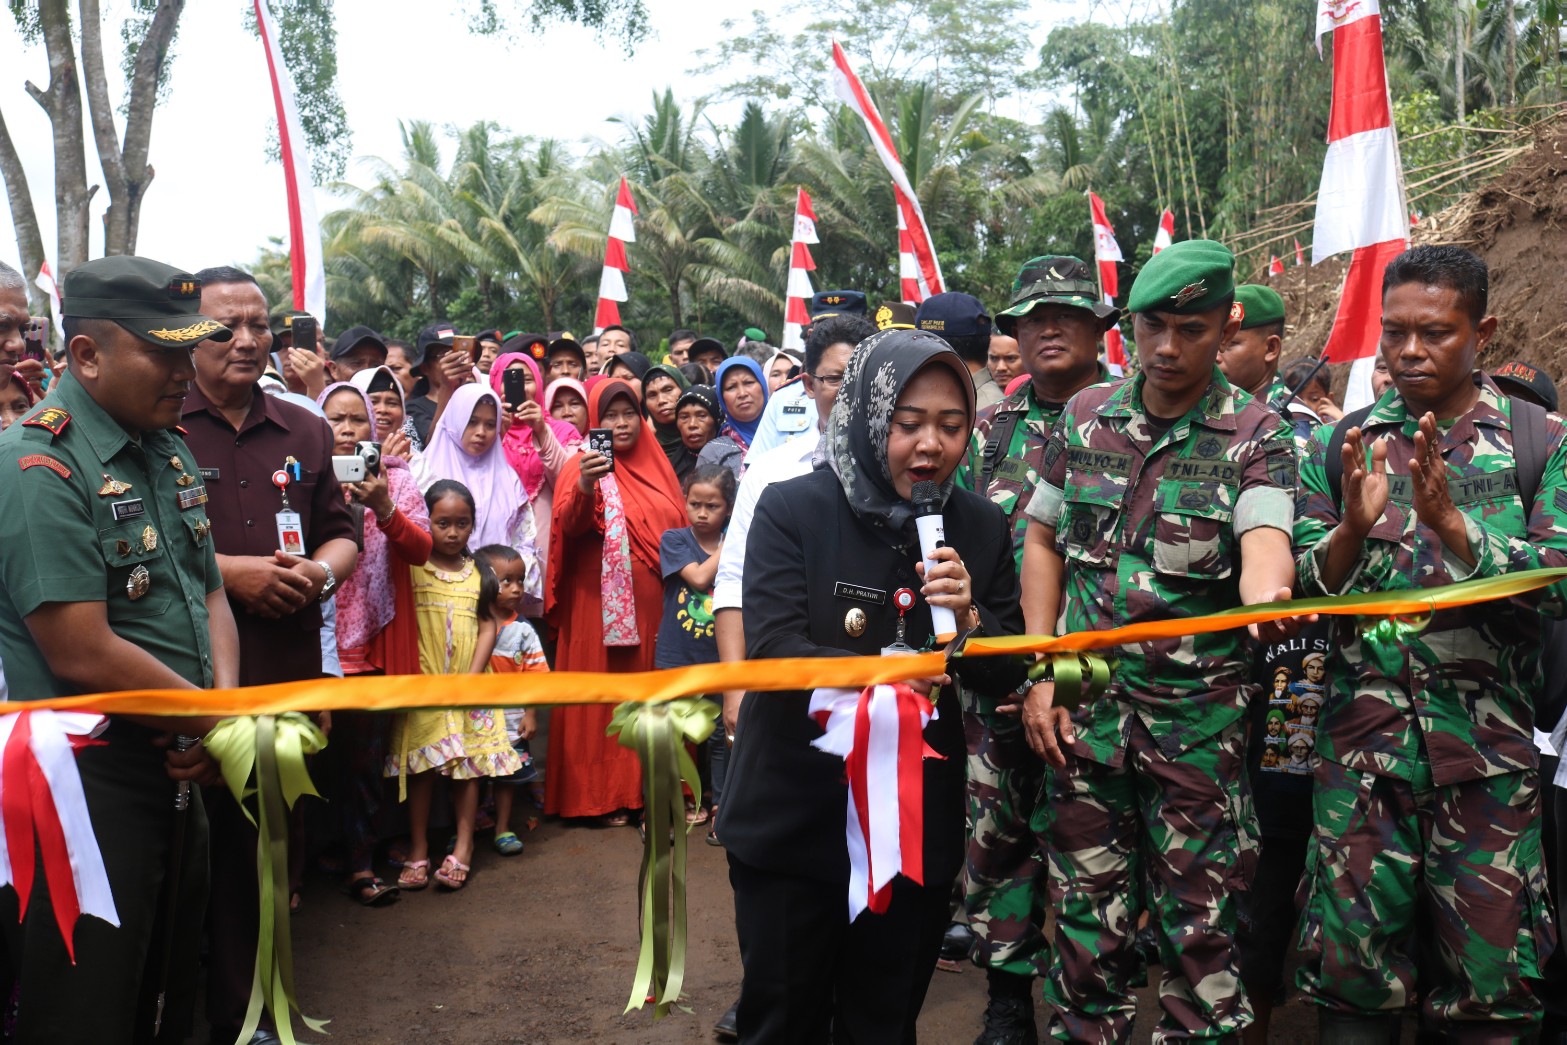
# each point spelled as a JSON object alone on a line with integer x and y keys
{"x": 108, "y": 582}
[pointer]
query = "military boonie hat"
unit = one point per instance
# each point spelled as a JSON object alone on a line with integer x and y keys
{"x": 154, "y": 301}
{"x": 1259, "y": 306}
{"x": 1054, "y": 279}
{"x": 1529, "y": 379}
{"x": 1185, "y": 278}
{"x": 836, "y": 303}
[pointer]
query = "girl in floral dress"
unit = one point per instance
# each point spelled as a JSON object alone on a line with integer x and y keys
{"x": 462, "y": 744}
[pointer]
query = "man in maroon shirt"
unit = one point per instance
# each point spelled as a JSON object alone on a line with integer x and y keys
{"x": 242, "y": 438}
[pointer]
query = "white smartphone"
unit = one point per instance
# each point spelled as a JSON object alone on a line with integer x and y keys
{"x": 349, "y": 469}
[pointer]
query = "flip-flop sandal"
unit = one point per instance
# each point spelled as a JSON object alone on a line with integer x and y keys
{"x": 415, "y": 876}
{"x": 508, "y": 844}
{"x": 696, "y": 816}
{"x": 371, "y": 892}
{"x": 443, "y": 876}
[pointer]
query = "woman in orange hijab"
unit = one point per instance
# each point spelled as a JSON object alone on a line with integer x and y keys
{"x": 605, "y": 597}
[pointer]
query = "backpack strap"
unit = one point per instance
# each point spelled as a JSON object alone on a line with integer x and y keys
{"x": 1001, "y": 430}
{"x": 1335, "y": 452}
{"x": 1531, "y": 449}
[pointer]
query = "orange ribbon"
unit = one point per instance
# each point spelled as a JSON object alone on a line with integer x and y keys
{"x": 409, "y": 692}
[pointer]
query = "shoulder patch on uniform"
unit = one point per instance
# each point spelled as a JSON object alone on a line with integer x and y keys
{"x": 51, "y": 418}
{"x": 44, "y": 461}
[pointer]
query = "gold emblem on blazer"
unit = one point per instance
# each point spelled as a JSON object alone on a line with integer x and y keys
{"x": 854, "y": 622}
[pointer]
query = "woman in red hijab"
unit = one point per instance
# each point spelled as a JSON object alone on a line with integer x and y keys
{"x": 604, "y": 596}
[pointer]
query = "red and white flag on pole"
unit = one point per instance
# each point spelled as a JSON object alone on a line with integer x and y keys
{"x": 1107, "y": 252}
{"x": 1360, "y": 205}
{"x": 799, "y": 292}
{"x": 304, "y": 230}
{"x": 918, "y": 269}
{"x": 1166, "y": 234}
{"x": 1300, "y": 255}
{"x": 45, "y": 282}
{"x": 612, "y": 283}
{"x": 1276, "y": 266}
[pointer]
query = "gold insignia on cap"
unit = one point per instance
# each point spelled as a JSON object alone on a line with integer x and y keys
{"x": 137, "y": 583}
{"x": 883, "y": 317}
{"x": 184, "y": 287}
{"x": 854, "y": 622}
{"x": 194, "y": 332}
{"x": 1189, "y": 293}
{"x": 149, "y": 540}
{"x": 112, "y": 487}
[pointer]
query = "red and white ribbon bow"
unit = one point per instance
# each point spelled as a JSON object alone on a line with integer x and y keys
{"x": 879, "y": 734}
{"x": 41, "y": 796}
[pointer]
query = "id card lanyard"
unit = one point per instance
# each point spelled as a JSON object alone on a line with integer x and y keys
{"x": 290, "y": 532}
{"x": 903, "y": 599}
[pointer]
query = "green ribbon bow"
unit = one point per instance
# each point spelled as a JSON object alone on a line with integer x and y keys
{"x": 271, "y": 750}
{"x": 1069, "y": 672}
{"x": 658, "y": 734}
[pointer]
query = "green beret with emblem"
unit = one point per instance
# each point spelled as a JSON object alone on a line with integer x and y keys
{"x": 1054, "y": 279}
{"x": 154, "y": 301}
{"x": 1259, "y": 306}
{"x": 1186, "y": 278}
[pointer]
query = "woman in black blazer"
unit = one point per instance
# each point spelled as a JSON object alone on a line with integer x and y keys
{"x": 824, "y": 557}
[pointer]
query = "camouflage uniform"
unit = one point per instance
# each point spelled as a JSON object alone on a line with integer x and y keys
{"x": 1003, "y": 891}
{"x": 1149, "y": 524}
{"x": 1427, "y": 791}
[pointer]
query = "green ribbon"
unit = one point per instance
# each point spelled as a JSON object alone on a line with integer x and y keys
{"x": 658, "y": 734}
{"x": 271, "y": 750}
{"x": 1077, "y": 676}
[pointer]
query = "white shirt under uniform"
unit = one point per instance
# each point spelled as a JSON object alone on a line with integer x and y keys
{"x": 789, "y": 461}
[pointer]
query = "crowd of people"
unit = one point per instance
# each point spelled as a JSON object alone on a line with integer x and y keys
{"x": 205, "y": 490}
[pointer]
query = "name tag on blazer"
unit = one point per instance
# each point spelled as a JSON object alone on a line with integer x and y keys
{"x": 859, "y": 593}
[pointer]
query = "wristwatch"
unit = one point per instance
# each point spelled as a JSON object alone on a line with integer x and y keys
{"x": 331, "y": 581}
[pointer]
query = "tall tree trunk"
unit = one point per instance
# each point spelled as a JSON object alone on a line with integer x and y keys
{"x": 1510, "y": 29}
{"x": 1459, "y": 79}
{"x": 126, "y": 172}
{"x": 23, "y": 218}
{"x": 63, "y": 103}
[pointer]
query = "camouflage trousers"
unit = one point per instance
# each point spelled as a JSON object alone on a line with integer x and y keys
{"x": 1003, "y": 873}
{"x": 1423, "y": 891}
{"x": 1183, "y": 822}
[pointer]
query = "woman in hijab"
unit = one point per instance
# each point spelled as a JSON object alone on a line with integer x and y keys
{"x": 829, "y": 552}
{"x": 630, "y": 367}
{"x": 390, "y": 405}
{"x": 567, "y": 400}
{"x": 698, "y": 414}
{"x": 605, "y": 598}
{"x": 781, "y": 369}
{"x": 742, "y": 388}
{"x": 465, "y": 446}
{"x": 377, "y": 632}
{"x": 536, "y": 445}
{"x": 661, "y": 391}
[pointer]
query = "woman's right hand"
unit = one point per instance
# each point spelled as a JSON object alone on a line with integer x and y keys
{"x": 594, "y": 467}
{"x": 374, "y": 494}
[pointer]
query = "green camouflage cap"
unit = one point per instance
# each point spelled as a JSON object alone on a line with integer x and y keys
{"x": 1185, "y": 278}
{"x": 1259, "y": 306}
{"x": 154, "y": 301}
{"x": 1054, "y": 279}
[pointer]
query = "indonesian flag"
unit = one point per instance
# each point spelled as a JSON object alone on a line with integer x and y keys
{"x": 1276, "y": 266}
{"x": 879, "y": 734}
{"x": 44, "y": 820}
{"x": 45, "y": 282}
{"x": 918, "y": 270}
{"x": 304, "y": 230}
{"x": 1360, "y": 205}
{"x": 1166, "y": 234}
{"x": 801, "y": 265}
{"x": 1107, "y": 252}
{"x": 1300, "y": 255}
{"x": 612, "y": 282}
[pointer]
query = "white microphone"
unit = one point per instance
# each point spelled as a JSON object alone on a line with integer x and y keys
{"x": 926, "y": 496}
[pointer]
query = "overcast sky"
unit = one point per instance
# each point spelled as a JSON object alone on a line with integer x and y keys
{"x": 217, "y": 197}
